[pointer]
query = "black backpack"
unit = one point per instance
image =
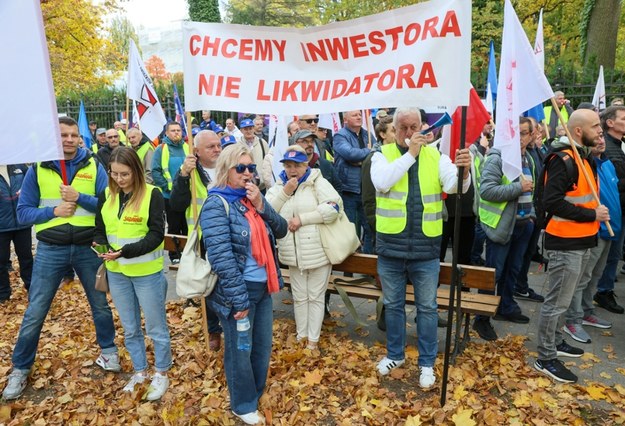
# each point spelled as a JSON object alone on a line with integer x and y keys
{"x": 542, "y": 216}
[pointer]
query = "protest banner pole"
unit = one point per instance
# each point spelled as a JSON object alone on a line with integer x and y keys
{"x": 578, "y": 158}
{"x": 195, "y": 215}
{"x": 127, "y": 112}
{"x": 368, "y": 117}
{"x": 454, "y": 287}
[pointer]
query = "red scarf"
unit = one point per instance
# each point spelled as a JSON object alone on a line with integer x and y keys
{"x": 261, "y": 248}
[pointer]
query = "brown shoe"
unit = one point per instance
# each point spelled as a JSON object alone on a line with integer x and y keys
{"x": 214, "y": 341}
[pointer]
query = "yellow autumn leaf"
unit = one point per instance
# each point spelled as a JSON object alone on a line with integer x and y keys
{"x": 5, "y": 413}
{"x": 620, "y": 389}
{"x": 65, "y": 399}
{"x": 459, "y": 393}
{"x": 413, "y": 421}
{"x": 605, "y": 375}
{"x": 620, "y": 370}
{"x": 522, "y": 399}
{"x": 463, "y": 418}
{"x": 313, "y": 378}
{"x": 596, "y": 392}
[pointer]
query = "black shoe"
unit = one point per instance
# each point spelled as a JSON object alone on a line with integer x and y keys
{"x": 556, "y": 370}
{"x": 530, "y": 295}
{"x": 516, "y": 317}
{"x": 485, "y": 329}
{"x": 607, "y": 301}
{"x": 442, "y": 322}
{"x": 478, "y": 262}
{"x": 564, "y": 349}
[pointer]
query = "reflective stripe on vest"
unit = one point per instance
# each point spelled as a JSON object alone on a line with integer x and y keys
{"x": 49, "y": 181}
{"x": 391, "y": 206}
{"x": 165, "y": 162}
{"x": 490, "y": 211}
{"x": 200, "y": 195}
{"x": 580, "y": 196}
{"x": 130, "y": 228}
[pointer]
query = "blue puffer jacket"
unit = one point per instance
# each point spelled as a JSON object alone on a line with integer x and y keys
{"x": 348, "y": 157}
{"x": 9, "y": 196}
{"x": 228, "y": 240}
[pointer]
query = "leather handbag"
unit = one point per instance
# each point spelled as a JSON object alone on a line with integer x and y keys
{"x": 339, "y": 239}
{"x": 195, "y": 277}
{"x": 101, "y": 280}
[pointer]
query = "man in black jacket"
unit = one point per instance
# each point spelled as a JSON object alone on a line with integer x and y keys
{"x": 307, "y": 139}
{"x": 613, "y": 124}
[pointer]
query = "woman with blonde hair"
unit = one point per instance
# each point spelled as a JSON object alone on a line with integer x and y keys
{"x": 306, "y": 200}
{"x": 130, "y": 225}
{"x": 238, "y": 227}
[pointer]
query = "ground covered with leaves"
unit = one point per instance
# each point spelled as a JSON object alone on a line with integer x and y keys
{"x": 490, "y": 384}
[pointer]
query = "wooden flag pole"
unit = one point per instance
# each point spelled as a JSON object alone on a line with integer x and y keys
{"x": 127, "y": 112}
{"x": 579, "y": 158}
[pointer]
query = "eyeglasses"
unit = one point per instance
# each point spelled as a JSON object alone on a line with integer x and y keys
{"x": 525, "y": 133}
{"x": 122, "y": 175}
{"x": 240, "y": 168}
{"x": 113, "y": 137}
{"x": 306, "y": 141}
{"x": 311, "y": 120}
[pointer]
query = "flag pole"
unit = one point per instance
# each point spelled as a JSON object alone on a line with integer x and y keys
{"x": 127, "y": 111}
{"x": 556, "y": 108}
{"x": 454, "y": 287}
{"x": 367, "y": 117}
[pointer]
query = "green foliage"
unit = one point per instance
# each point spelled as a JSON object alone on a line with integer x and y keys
{"x": 584, "y": 20}
{"x": 204, "y": 10}
{"x": 272, "y": 13}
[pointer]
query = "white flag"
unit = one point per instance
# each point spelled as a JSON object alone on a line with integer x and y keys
{"x": 331, "y": 122}
{"x": 598, "y": 99}
{"x": 277, "y": 126}
{"x": 521, "y": 86}
{"x": 488, "y": 102}
{"x": 141, "y": 90}
{"x": 27, "y": 87}
{"x": 539, "y": 44}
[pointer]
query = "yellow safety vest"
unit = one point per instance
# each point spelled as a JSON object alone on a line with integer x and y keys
{"x": 144, "y": 149}
{"x": 131, "y": 227}
{"x": 49, "y": 182}
{"x": 200, "y": 195}
{"x": 390, "y": 212}
{"x": 547, "y": 111}
{"x": 165, "y": 163}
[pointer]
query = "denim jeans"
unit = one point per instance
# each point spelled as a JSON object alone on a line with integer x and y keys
{"x": 507, "y": 260}
{"x": 246, "y": 372}
{"x": 22, "y": 241}
{"x": 212, "y": 319}
{"x": 356, "y": 214}
{"x": 606, "y": 282}
{"x": 581, "y": 304}
{"x": 51, "y": 262}
{"x": 565, "y": 271}
{"x": 423, "y": 274}
{"x": 478, "y": 244}
{"x": 130, "y": 296}
{"x": 522, "y": 284}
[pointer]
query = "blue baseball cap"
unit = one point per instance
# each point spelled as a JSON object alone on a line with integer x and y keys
{"x": 228, "y": 140}
{"x": 195, "y": 130}
{"x": 218, "y": 129}
{"x": 295, "y": 156}
{"x": 246, "y": 122}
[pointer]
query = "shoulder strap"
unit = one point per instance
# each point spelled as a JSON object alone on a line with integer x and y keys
{"x": 226, "y": 206}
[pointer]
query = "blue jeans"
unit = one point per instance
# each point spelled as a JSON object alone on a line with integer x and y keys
{"x": 51, "y": 262}
{"x": 423, "y": 274}
{"x": 606, "y": 282}
{"x": 522, "y": 284}
{"x": 130, "y": 296}
{"x": 507, "y": 260}
{"x": 212, "y": 319}
{"x": 478, "y": 244}
{"x": 22, "y": 241}
{"x": 246, "y": 372}
{"x": 352, "y": 203}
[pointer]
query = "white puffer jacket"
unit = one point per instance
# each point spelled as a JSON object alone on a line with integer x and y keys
{"x": 303, "y": 248}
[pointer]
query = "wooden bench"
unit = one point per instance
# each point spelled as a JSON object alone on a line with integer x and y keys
{"x": 471, "y": 277}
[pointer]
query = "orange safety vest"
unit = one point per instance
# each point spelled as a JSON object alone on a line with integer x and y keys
{"x": 581, "y": 196}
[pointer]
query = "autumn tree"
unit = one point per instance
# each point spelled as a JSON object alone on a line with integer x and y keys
{"x": 76, "y": 44}
{"x": 121, "y": 31}
{"x": 204, "y": 10}
{"x": 155, "y": 67}
{"x": 273, "y": 13}
{"x": 599, "y": 29}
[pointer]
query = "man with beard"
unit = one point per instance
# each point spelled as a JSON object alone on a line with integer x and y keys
{"x": 573, "y": 217}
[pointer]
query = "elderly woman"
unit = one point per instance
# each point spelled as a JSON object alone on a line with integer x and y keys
{"x": 307, "y": 200}
{"x": 241, "y": 249}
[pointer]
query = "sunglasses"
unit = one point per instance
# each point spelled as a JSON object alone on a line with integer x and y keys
{"x": 312, "y": 120}
{"x": 240, "y": 168}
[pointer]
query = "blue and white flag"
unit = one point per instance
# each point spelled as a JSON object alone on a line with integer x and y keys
{"x": 180, "y": 118}
{"x": 83, "y": 125}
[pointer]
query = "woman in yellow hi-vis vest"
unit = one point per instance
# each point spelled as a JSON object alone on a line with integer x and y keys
{"x": 130, "y": 221}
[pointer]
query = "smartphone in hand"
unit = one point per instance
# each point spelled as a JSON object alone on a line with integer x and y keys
{"x": 100, "y": 248}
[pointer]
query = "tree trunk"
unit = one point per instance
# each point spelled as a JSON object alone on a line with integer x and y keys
{"x": 602, "y": 33}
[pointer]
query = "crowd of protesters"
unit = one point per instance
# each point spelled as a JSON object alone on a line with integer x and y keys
{"x": 390, "y": 180}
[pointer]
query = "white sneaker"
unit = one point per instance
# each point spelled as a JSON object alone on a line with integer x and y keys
{"x": 16, "y": 384}
{"x": 109, "y": 362}
{"x": 252, "y": 418}
{"x": 427, "y": 378}
{"x": 136, "y": 379}
{"x": 386, "y": 365}
{"x": 158, "y": 387}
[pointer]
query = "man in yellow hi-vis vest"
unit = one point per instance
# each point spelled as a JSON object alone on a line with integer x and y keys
{"x": 551, "y": 117}
{"x": 64, "y": 219}
{"x": 409, "y": 178}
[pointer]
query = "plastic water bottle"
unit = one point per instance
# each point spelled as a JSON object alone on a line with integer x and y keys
{"x": 243, "y": 335}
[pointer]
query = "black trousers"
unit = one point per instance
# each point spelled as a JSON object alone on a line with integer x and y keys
{"x": 22, "y": 241}
{"x": 176, "y": 224}
{"x": 465, "y": 239}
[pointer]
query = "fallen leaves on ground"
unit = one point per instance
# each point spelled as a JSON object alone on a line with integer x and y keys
{"x": 490, "y": 384}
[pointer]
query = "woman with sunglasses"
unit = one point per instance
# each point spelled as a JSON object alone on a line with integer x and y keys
{"x": 240, "y": 241}
{"x": 130, "y": 221}
{"x": 307, "y": 200}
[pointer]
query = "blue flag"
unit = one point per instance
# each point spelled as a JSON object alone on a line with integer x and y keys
{"x": 492, "y": 71}
{"x": 180, "y": 112}
{"x": 536, "y": 112}
{"x": 83, "y": 125}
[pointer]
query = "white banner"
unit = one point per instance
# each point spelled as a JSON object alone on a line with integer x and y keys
{"x": 30, "y": 105}
{"x": 598, "y": 99}
{"x": 417, "y": 55}
{"x": 141, "y": 90}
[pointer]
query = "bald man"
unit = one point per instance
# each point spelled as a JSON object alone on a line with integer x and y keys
{"x": 573, "y": 217}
